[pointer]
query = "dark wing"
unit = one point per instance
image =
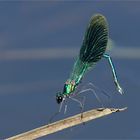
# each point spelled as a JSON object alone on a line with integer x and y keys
{"x": 95, "y": 40}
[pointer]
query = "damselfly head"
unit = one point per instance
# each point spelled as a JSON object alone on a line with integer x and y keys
{"x": 59, "y": 97}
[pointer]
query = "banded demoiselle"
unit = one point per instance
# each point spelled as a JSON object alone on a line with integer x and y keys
{"x": 93, "y": 49}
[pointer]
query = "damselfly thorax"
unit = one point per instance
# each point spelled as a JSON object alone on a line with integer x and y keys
{"x": 69, "y": 87}
{"x": 68, "y": 90}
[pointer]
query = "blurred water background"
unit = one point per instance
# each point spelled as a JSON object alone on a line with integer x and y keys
{"x": 39, "y": 42}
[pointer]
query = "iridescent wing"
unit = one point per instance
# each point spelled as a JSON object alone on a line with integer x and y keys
{"x": 93, "y": 47}
{"x": 95, "y": 40}
{"x": 78, "y": 71}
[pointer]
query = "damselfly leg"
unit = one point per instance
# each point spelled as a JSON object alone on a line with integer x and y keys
{"x": 55, "y": 114}
{"x": 81, "y": 103}
{"x": 91, "y": 87}
{"x": 92, "y": 91}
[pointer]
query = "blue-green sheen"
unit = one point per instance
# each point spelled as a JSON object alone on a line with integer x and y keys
{"x": 92, "y": 50}
{"x": 93, "y": 47}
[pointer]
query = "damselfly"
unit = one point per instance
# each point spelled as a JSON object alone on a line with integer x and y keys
{"x": 93, "y": 49}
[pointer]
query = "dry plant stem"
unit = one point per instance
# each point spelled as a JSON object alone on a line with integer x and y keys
{"x": 66, "y": 123}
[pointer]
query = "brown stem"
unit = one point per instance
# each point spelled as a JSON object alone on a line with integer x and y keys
{"x": 63, "y": 124}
